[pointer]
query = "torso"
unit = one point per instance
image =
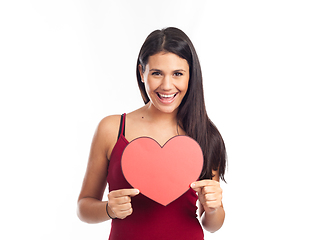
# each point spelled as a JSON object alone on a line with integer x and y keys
{"x": 139, "y": 124}
{"x": 151, "y": 220}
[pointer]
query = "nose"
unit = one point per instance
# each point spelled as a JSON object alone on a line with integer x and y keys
{"x": 166, "y": 83}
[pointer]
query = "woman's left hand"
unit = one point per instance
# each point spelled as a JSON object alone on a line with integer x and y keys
{"x": 209, "y": 194}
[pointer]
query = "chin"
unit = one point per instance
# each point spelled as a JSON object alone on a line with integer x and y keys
{"x": 167, "y": 110}
{"x": 171, "y": 108}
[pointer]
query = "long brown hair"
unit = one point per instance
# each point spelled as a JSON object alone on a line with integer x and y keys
{"x": 192, "y": 115}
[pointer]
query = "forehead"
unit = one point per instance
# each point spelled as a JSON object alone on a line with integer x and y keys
{"x": 171, "y": 61}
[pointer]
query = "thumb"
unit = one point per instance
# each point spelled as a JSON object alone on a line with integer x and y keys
{"x": 134, "y": 192}
{"x": 196, "y": 188}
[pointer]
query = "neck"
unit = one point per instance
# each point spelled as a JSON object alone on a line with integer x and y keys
{"x": 156, "y": 115}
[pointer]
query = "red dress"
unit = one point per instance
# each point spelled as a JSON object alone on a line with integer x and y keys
{"x": 151, "y": 220}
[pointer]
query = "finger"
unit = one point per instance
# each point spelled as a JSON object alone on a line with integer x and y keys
{"x": 124, "y": 192}
{"x": 210, "y": 197}
{"x": 134, "y": 192}
{"x": 121, "y": 200}
{"x": 212, "y": 204}
{"x": 198, "y": 190}
{"x": 203, "y": 183}
{"x": 124, "y": 214}
{"x": 200, "y": 185}
{"x": 124, "y": 207}
{"x": 209, "y": 189}
{"x": 123, "y": 210}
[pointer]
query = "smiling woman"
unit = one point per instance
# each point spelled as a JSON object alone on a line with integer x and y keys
{"x": 170, "y": 80}
{"x": 166, "y": 81}
{"x": 191, "y": 114}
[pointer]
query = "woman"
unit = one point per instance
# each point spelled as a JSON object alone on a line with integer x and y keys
{"x": 170, "y": 80}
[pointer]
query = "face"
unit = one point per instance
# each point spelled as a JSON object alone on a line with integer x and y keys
{"x": 166, "y": 80}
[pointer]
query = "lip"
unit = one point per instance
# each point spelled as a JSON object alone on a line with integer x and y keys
{"x": 166, "y": 98}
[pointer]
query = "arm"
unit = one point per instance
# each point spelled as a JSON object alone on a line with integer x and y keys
{"x": 211, "y": 209}
{"x": 90, "y": 207}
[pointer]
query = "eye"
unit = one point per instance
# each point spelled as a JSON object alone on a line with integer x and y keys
{"x": 156, "y": 73}
{"x": 178, "y": 74}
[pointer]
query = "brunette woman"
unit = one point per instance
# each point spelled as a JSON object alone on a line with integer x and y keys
{"x": 170, "y": 80}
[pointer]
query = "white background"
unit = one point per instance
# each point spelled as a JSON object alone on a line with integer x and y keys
{"x": 65, "y": 64}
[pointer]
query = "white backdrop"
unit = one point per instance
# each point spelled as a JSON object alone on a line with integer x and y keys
{"x": 64, "y": 65}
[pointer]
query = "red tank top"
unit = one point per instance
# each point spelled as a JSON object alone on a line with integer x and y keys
{"x": 151, "y": 220}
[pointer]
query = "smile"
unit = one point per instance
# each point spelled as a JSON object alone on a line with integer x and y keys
{"x": 166, "y": 98}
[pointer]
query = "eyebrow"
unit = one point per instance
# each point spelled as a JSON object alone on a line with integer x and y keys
{"x": 158, "y": 70}
{"x": 154, "y": 70}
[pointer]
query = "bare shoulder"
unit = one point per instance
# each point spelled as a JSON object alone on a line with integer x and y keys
{"x": 107, "y": 132}
{"x": 109, "y": 124}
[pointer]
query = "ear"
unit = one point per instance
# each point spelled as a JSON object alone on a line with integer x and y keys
{"x": 140, "y": 69}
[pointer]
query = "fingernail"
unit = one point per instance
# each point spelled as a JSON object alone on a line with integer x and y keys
{"x": 192, "y": 185}
{"x": 137, "y": 191}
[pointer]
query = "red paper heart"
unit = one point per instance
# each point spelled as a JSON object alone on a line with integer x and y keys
{"x": 162, "y": 173}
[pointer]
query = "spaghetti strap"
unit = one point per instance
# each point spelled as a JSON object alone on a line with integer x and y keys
{"x": 122, "y": 125}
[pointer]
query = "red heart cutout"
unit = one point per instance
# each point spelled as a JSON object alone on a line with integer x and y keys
{"x": 165, "y": 173}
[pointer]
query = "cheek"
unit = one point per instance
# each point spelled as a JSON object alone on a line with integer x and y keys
{"x": 150, "y": 85}
{"x": 149, "y": 89}
{"x": 184, "y": 85}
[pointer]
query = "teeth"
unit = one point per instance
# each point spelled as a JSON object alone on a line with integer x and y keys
{"x": 166, "y": 96}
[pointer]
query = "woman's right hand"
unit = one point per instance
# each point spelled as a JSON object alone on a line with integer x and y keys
{"x": 119, "y": 202}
